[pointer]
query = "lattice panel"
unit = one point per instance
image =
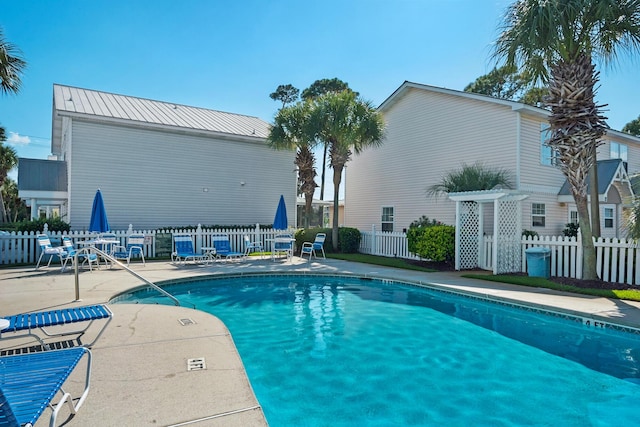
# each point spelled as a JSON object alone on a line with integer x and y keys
{"x": 468, "y": 228}
{"x": 508, "y": 236}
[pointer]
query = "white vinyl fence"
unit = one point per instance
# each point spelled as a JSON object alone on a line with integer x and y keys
{"x": 618, "y": 260}
{"x": 22, "y": 248}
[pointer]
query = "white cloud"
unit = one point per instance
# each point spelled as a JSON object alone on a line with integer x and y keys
{"x": 16, "y": 139}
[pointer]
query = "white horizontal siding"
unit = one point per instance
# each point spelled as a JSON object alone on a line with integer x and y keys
{"x": 428, "y": 135}
{"x": 150, "y": 178}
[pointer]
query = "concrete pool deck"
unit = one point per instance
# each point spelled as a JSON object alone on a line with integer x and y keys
{"x": 139, "y": 372}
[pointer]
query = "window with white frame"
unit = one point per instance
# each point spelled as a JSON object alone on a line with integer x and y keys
{"x": 387, "y": 218}
{"x": 538, "y": 214}
{"x": 608, "y": 217}
{"x": 573, "y": 217}
{"x": 618, "y": 151}
{"x": 547, "y": 154}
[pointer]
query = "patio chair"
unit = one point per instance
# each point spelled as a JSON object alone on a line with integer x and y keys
{"x": 135, "y": 247}
{"x": 282, "y": 244}
{"x": 71, "y": 254}
{"x": 30, "y": 382}
{"x": 184, "y": 250}
{"x": 310, "y": 248}
{"x": 250, "y": 246}
{"x": 223, "y": 247}
{"x": 30, "y": 322}
{"x": 47, "y": 249}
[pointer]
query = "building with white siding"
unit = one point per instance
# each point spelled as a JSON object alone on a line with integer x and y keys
{"x": 432, "y": 131}
{"x": 162, "y": 164}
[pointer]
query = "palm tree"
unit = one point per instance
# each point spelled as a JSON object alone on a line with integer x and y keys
{"x": 556, "y": 41}
{"x": 288, "y": 132}
{"x": 346, "y": 124}
{"x": 471, "y": 178}
{"x": 11, "y": 66}
{"x": 8, "y": 160}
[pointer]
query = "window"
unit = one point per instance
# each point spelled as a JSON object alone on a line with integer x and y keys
{"x": 618, "y": 151}
{"x": 537, "y": 214}
{"x": 573, "y": 217}
{"x": 547, "y": 155}
{"x": 608, "y": 217}
{"x": 387, "y": 219}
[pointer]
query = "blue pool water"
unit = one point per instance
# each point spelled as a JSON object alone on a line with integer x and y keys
{"x": 341, "y": 351}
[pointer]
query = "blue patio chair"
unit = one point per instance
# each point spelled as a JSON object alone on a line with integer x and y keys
{"x": 316, "y": 245}
{"x": 47, "y": 249}
{"x": 250, "y": 246}
{"x": 282, "y": 244}
{"x": 45, "y": 320}
{"x": 223, "y": 247}
{"x": 84, "y": 257}
{"x": 30, "y": 382}
{"x": 184, "y": 250}
{"x": 135, "y": 247}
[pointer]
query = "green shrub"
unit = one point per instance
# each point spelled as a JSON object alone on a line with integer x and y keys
{"x": 53, "y": 224}
{"x": 348, "y": 240}
{"x": 529, "y": 233}
{"x": 309, "y": 235}
{"x": 424, "y": 221}
{"x": 571, "y": 230}
{"x": 436, "y": 242}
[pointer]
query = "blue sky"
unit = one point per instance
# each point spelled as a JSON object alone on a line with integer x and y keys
{"x": 230, "y": 55}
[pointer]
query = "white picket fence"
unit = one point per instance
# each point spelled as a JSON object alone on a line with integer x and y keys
{"x": 22, "y": 248}
{"x": 618, "y": 260}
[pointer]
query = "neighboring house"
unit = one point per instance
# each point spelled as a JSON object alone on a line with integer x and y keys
{"x": 432, "y": 131}
{"x": 159, "y": 163}
{"x": 322, "y": 213}
{"x": 43, "y": 185}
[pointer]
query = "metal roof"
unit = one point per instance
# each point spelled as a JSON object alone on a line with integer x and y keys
{"x": 41, "y": 175}
{"x": 96, "y": 105}
{"x": 607, "y": 173}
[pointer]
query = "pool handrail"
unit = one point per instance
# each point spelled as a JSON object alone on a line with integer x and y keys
{"x": 115, "y": 261}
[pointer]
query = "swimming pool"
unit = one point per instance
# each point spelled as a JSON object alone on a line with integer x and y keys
{"x": 345, "y": 351}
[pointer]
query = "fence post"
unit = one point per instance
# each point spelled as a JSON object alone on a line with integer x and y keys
{"x": 198, "y": 238}
{"x": 374, "y": 245}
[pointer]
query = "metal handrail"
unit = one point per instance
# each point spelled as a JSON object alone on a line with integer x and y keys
{"x": 114, "y": 260}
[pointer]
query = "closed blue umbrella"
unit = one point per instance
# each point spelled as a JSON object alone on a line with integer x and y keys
{"x": 280, "y": 221}
{"x": 99, "y": 222}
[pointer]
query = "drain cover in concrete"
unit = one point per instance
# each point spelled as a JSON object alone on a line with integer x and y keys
{"x": 196, "y": 364}
{"x": 186, "y": 322}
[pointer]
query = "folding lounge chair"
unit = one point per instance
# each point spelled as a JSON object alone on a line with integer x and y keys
{"x": 30, "y": 382}
{"x": 310, "y": 248}
{"x": 46, "y": 319}
{"x": 184, "y": 250}
{"x": 135, "y": 246}
{"x": 223, "y": 247}
{"x": 82, "y": 257}
{"x": 47, "y": 249}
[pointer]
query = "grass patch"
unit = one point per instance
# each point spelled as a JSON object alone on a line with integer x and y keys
{"x": 539, "y": 282}
{"x": 379, "y": 260}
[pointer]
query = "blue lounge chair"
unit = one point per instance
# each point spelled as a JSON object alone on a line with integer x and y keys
{"x": 184, "y": 250}
{"x": 223, "y": 247}
{"x": 135, "y": 247}
{"x": 30, "y": 322}
{"x": 30, "y": 382}
{"x": 47, "y": 249}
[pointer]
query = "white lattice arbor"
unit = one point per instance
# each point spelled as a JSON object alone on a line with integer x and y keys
{"x": 476, "y": 210}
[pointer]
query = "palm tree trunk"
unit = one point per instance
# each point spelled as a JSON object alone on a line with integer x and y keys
{"x": 595, "y": 196}
{"x": 324, "y": 168}
{"x": 337, "y": 178}
{"x": 589, "y": 271}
